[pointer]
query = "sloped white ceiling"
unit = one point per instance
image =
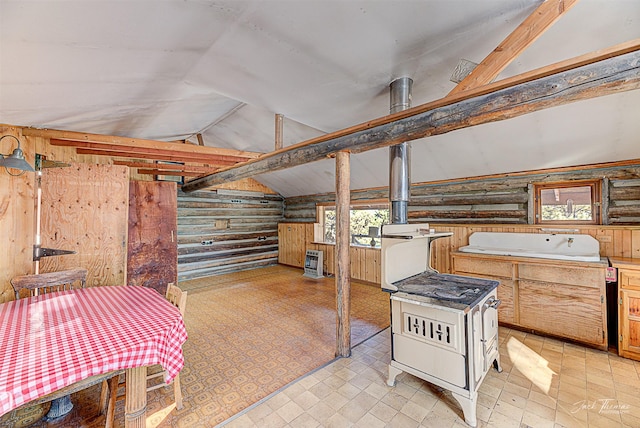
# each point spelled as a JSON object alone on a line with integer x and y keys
{"x": 171, "y": 69}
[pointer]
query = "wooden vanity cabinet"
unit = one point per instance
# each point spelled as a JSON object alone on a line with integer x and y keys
{"x": 628, "y": 306}
{"x": 555, "y": 297}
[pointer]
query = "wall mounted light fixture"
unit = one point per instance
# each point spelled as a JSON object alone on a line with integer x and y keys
{"x": 16, "y": 159}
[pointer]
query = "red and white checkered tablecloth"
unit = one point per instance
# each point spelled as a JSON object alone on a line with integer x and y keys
{"x": 53, "y": 340}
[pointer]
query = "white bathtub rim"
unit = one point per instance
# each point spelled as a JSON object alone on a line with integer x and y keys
{"x": 522, "y": 252}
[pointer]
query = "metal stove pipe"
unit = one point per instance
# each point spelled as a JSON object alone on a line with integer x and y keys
{"x": 400, "y": 155}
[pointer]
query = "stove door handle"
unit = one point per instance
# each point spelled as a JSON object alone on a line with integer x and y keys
{"x": 492, "y": 303}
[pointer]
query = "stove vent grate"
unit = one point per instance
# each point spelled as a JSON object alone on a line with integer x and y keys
{"x": 430, "y": 330}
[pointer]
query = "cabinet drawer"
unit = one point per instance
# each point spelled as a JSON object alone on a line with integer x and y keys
{"x": 480, "y": 266}
{"x": 580, "y": 276}
{"x": 630, "y": 279}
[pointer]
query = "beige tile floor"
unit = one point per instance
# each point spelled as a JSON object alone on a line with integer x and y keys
{"x": 544, "y": 383}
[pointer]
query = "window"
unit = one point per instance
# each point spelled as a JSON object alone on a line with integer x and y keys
{"x": 366, "y": 223}
{"x": 569, "y": 202}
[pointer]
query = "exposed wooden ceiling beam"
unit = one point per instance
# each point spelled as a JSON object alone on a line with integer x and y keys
{"x": 80, "y": 137}
{"x": 521, "y": 38}
{"x": 166, "y": 172}
{"x": 134, "y": 151}
{"x": 155, "y": 156}
{"x": 596, "y": 74}
{"x": 173, "y": 167}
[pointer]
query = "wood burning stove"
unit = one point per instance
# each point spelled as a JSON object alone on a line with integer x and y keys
{"x": 444, "y": 327}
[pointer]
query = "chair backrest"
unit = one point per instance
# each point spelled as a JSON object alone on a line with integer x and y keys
{"x": 177, "y": 297}
{"x": 48, "y": 282}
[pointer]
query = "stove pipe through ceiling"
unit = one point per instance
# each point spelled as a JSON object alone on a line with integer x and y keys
{"x": 400, "y": 155}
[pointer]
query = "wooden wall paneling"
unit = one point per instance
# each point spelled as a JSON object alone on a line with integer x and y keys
{"x": 17, "y": 194}
{"x": 152, "y": 259}
{"x": 85, "y": 209}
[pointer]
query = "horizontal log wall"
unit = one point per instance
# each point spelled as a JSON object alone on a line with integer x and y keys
{"x": 222, "y": 232}
{"x": 495, "y": 200}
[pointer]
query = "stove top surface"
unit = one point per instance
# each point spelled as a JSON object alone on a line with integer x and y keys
{"x": 451, "y": 288}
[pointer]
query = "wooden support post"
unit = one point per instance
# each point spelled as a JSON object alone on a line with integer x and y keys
{"x": 343, "y": 262}
{"x": 200, "y": 139}
{"x": 135, "y": 409}
{"x": 279, "y": 131}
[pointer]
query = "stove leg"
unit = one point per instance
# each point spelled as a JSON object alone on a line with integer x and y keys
{"x": 393, "y": 372}
{"x": 468, "y": 407}
{"x": 497, "y": 365}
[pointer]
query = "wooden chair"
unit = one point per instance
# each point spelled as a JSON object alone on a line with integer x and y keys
{"x": 177, "y": 298}
{"x": 48, "y": 282}
{"x": 64, "y": 280}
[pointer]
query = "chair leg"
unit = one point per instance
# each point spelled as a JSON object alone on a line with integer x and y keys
{"x": 104, "y": 391}
{"x": 177, "y": 392}
{"x": 111, "y": 408}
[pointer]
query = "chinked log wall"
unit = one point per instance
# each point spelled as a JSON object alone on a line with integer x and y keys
{"x": 502, "y": 204}
{"x": 221, "y": 232}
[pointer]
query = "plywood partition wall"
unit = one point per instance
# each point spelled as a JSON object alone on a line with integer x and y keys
{"x": 84, "y": 209}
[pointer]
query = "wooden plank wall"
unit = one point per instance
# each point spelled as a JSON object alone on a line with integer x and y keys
{"x": 221, "y": 232}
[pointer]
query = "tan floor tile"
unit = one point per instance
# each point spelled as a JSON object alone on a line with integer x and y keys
{"x": 490, "y": 390}
{"x": 498, "y": 420}
{"x": 273, "y": 420}
{"x": 541, "y": 410}
{"x": 290, "y": 411}
{"x": 394, "y": 400}
{"x": 414, "y": 411}
{"x": 629, "y": 420}
{"x": 335, "y": 400}
{"x": 321, "y": 412}
{"x": 567, "y": 419}
{"x": 598, "y": 419}
{"x": 513, "y": 399}
{"x": 278, "y": 401}
{"x": 369, "y": 421}
{"x": 306, "y": 400}
{"x": 487, "y": 400}
{"x": 544, "y": 399}
{"x": 536, "y": 420}
{"x": 509, "y": 410}
{"x": 437, "y": 420}
{"x": 337, "y": 421}
{"x": 305, "y": 420}
{"x": 383, "y": 411}
{"x": 516, "y": 389}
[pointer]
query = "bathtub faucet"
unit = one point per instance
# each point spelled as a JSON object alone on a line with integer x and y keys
{"x": 569, "y": 241}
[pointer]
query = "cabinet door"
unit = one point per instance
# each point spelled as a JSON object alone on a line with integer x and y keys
{"x": 292, "y": 243}
{"x": 563, "y": 310}
{"x": 630, "y": 323}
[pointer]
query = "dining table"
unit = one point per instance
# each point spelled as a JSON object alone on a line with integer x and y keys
{"x": 53, "y": 340}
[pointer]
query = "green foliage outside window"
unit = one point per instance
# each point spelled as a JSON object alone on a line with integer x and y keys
{"x": 361, "y": 220}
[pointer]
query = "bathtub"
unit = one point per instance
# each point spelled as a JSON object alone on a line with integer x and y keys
{"x": 574, "y": 247}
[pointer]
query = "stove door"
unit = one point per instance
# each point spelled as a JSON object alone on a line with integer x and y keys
{"x": 490, "y": 329}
